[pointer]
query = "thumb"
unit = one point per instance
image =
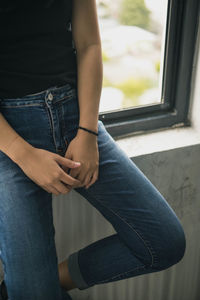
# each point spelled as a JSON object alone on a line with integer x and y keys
{"x": 66, "y": 162}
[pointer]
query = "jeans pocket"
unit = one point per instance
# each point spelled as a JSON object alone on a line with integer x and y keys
{"x": 30, "y": 121}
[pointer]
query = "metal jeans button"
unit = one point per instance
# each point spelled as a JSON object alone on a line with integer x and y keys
{"x": 50, "y": 96}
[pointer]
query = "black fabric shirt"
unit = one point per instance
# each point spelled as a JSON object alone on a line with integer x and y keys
{"x": 36, "y": 48}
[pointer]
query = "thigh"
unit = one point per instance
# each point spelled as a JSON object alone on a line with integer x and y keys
{"x": 27, "y": 244}
{"x": 133, "y": 205}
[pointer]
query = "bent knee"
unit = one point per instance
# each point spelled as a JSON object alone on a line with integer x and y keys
{"x": 173, "y": 251}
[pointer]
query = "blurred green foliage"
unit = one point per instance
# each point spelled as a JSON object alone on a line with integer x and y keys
{"x": 135, "y": 13}
{"x": 105, "y": 57}
{"x": 131, "y": 88}
{"x": 157, "y": 66}
{"x": 134, "y": 87}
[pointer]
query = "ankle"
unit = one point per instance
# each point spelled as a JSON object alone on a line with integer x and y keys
{"x": 64, "y": 276}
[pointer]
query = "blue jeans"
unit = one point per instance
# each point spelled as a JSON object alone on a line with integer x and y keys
{"x": 149, "y": 237}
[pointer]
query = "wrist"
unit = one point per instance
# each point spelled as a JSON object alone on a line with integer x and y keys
{"x": 86, "y": 134}
{"x": 88, "y": 129}
{"x": 19, "y": 150}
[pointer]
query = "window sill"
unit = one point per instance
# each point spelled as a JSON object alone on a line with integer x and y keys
{"x": 159, "y": 141}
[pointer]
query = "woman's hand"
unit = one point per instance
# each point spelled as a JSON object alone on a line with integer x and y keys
{"x": 84, "y": 148}
{"x": 46, "y": 169}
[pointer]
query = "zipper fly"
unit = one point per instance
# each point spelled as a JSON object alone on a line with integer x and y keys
{"x": 52, "y": 125}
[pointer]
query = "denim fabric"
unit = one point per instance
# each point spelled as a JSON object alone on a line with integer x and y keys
{"x": 149, "y": 236}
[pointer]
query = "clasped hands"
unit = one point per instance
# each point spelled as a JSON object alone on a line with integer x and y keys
{"x": 84, "y": 149}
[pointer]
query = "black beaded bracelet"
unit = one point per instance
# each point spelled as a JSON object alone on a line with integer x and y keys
{"x": 91, "y": 131}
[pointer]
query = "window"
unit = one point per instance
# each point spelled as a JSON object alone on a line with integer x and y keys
{"x": 147, "y": 49}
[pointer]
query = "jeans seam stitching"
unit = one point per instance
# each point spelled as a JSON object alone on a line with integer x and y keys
{"x": 136, "y": 232}
{"x": 68, "y": 97}
{"x": 132, "y": 229}
{"x": 63, "y": 127}
{"x": 21, "y": 105}
{"x": 50, "y": 118}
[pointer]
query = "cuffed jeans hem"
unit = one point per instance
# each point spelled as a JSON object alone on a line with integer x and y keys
{"x": 75, "y": 273}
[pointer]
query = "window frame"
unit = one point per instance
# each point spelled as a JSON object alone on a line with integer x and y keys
{"x": 172, "y": 111}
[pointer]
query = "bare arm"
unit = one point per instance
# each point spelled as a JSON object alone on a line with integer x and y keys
{"x": 86, "y": 36}
{"x": 11, "y": 143}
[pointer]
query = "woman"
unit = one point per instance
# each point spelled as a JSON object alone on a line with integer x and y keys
{"x": 52, "y": 141}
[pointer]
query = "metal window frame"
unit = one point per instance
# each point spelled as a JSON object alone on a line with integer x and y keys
{"x": 172, "y": 111}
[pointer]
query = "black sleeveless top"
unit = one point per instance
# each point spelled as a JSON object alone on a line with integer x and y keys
{"x": 36, "y": 48}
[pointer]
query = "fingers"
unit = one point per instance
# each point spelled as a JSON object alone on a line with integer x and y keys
{"x": 58, "y": 189}
{"x": 88, "y": 178}
{"x": 75, "y": 173}
{"x": 66, "y": 162}
{"x": 76, "y": 177}
{"x": 62, "y": 188}
{"x": 94, "y": 178}
{"x": 50, "y": 190}
{"x": 60, "y": 182}
{"x": 68, "y": 179}
{"x": 54, "y": 191}
{"x": 66, "y": 169}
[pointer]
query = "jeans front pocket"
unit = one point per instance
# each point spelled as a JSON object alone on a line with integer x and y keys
{"x": 30, "y": 120}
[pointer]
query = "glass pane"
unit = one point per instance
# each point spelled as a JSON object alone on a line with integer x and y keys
{"x": 133, "y": 37}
